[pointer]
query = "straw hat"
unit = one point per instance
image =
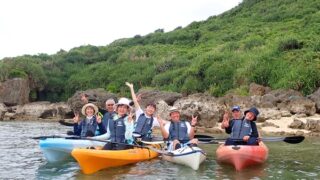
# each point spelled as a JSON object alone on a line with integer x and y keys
{"x": 173, "y": 109}
{"x": 83, "y": 110}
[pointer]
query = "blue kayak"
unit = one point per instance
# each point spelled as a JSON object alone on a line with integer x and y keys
{"x": 59, "y": 149}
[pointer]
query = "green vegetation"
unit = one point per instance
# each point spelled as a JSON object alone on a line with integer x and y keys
{"x": 269, "y": 42}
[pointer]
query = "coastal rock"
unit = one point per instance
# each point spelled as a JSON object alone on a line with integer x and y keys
{"x": 148, "y": 96}
{"x": 269, "y": 124}
{"x": 96, "y": 96}
{"x": 14, "y": 91}
{"x": 284, "y": 95}
{"x": 302, "y": 105}
{"x": 315, "y": 97}
{"x": 268, "y": 113}
{"x": 313, "y": 125}
{"x": 207, "y": 109}
{"x": 163, "y": 109}
{"x": 257, "y": 90}
{"x": 268, "y": 101}
{"x": 297, "y": 124}
{"x": 3, "y": 110}
{"x": 43, "y": 110}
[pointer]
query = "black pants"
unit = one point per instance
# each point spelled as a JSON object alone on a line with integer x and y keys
{"x": 116, "y": 146}
{"x": 252, "y": 141}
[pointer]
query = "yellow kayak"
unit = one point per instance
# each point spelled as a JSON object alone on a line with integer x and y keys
{"x": 93, "y": 160}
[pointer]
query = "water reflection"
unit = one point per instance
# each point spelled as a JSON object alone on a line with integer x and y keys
{"x": 226, "y": 171}
{"x": 65, "y": 170}
{"x": 21, "y": 158}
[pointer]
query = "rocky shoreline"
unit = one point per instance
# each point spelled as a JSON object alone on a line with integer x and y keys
{"x": 282, "y": 112}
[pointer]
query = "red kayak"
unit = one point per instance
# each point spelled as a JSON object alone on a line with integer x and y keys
{"x": 242, "y": 156}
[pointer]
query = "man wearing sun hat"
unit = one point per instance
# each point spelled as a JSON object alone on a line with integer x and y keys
{"x": 88, "y": 125}
{"x": 179, "y": 132}
{"x": 244, "y": 128}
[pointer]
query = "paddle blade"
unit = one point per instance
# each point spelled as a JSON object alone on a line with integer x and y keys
{"x": 294, "y": 139}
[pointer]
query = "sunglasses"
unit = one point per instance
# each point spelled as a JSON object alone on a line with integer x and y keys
{"x": 110, "y": 104}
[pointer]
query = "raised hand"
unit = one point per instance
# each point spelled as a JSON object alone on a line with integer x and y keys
{"x": 76, "y": 118}
{"x": 98, "y": 117}
{"x": 130, "y": 117}
{"x": 194, "y": 120}
{"x": 130, "y": 85}
{"x": 225, "y": 121}
{"x": 160, "y": 121}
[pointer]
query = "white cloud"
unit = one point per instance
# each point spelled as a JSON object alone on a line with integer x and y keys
{"x": 46, "y": 26}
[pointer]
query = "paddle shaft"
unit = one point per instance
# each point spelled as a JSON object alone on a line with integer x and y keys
{"x": 290, "y": 139}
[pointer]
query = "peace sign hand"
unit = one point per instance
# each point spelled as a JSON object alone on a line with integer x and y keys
{"x": 194, "y": 120}
{"x": 130, "y": 117}
{"x": 76, "y": 118}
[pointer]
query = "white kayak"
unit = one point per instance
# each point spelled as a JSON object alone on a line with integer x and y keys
{"x": 188, "y": 156}
{"x": 59, "y": 149}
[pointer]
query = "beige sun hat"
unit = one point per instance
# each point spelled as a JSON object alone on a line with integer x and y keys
{"x": 173, "y": 109}
{"x": 83, "y": 110}
{"x": 123, "y": 101}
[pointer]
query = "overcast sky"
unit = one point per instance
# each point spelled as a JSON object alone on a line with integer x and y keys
{"x": 46, "y": 26}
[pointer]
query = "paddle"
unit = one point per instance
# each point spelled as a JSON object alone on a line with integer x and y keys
{"x": 55, "y": 136}
{"x": 290, "y": 139}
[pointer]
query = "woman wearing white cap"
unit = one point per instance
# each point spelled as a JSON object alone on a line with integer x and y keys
{"x": 145, "y": 120}
{"x": 120, "y": 127}
{"x": 88, "y": 125}
{"x": 179, "y": 132}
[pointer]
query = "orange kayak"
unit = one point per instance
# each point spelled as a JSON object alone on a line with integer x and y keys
{"x": 93, "y": 160}
{"x": 242, "y": 156}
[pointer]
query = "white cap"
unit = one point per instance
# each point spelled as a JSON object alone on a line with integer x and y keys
{"x": 123, "y": 101}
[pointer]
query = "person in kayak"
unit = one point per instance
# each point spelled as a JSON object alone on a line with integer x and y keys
{"x": 242, "y": 128}
{"x": 145, "y": 120}
{"x": 236, "y": 115}
{"x": 178, "y": 132}
{"x": 110, "y": 103}
{"x": 120, "y": 127}
{"x": 88, "y": 126}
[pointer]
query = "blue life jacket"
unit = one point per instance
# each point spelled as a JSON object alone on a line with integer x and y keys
{"x": 87, "y": 126}
{"x": 241, "y": 128}
{"x": 105, "y": 120}
{"x": 143, "y": 127}
{"x": 117, "y": 130}
{"x": 179, "y": 131}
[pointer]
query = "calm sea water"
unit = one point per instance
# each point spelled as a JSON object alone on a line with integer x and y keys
{"x": 21, "y": 158}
